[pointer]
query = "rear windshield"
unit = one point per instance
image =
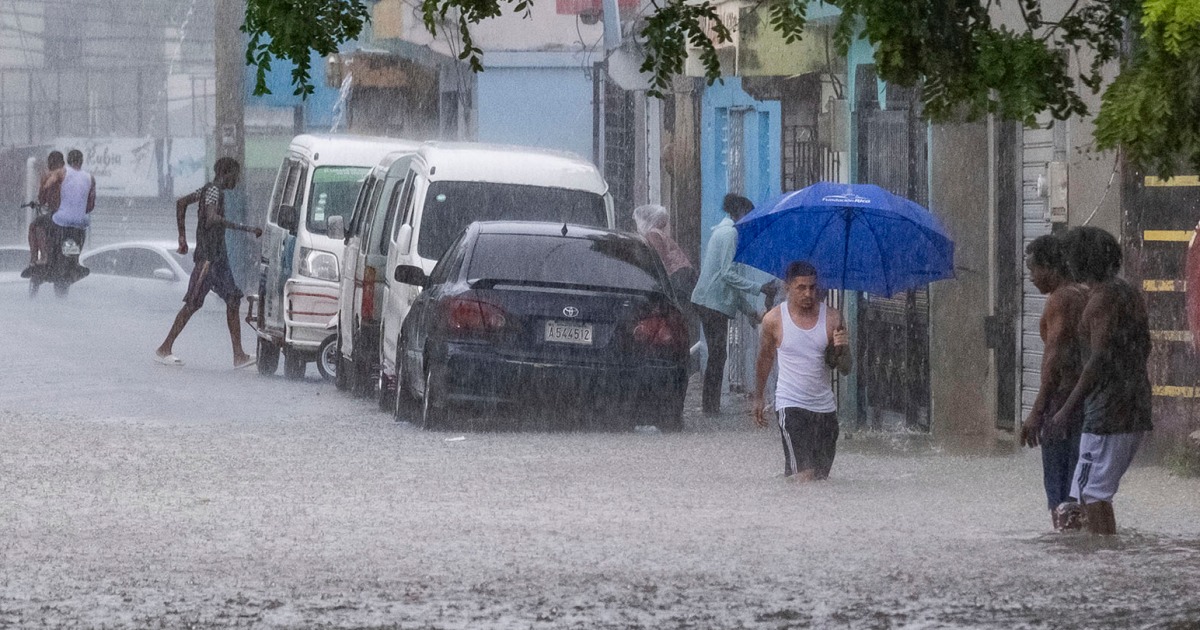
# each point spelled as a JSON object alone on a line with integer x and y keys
{"x": 598, "y": 261}
{"x": 451, "y": 206}
{"x": 334, "y": 192}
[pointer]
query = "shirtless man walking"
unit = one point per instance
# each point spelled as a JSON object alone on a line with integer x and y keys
{"x": 808, "y": 339}
{"x": 1113, "y": 389}
{"x": 1061, "y": 363}
{"x": 212, "y": 271}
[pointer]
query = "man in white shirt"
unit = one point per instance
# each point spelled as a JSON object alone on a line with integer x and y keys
{"x": 808, "y": 339}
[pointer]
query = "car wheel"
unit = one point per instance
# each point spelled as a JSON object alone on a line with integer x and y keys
{"x": 340, "y": 378}
{"x": 434, "y": 412}
{"x": 403, "y": 403}
{"x": 294, "y": 365}
{"x": 327, "y": 359}
{"x": 267, "y": 355}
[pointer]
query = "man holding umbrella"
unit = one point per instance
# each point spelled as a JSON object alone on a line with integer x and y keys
{"x": 808, "y": 339}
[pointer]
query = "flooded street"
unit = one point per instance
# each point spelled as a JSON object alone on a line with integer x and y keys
{"x": 138, "y": 495}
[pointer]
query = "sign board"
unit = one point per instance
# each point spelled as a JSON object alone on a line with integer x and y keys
{"x": 123, "y": 167}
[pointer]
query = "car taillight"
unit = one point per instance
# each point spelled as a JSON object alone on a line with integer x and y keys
{"x": 368, "y": 293}
{"x": 661, "y": 330}
{"x": 468, "y": 315}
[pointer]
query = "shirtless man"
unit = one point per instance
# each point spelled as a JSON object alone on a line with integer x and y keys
{"x": 1061, "y": 363}
{"x": 42, "y": 227}
{"x": 808, "y": 339}
{"x": 1114, "y": 386}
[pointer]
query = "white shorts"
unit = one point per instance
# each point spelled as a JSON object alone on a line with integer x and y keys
{"x": 1103, "y": 460}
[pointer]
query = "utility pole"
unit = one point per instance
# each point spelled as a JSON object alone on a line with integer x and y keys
{"x": 229, "y": 52}
{"x": 230, "y": 56}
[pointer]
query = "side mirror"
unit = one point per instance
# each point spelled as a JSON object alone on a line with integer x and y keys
{"x": 289, "y": 219}
{"x": 162, "y": 273}
{"x": 335, "y": 228}
{"x": 404, "y": 238}
{"x": 409, "y": 274}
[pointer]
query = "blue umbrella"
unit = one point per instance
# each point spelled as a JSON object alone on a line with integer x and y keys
{"x": 859, "y": 237}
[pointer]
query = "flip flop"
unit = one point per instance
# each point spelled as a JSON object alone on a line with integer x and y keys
{"x": 246, "y": 363}
{"x": 170, "y": 359}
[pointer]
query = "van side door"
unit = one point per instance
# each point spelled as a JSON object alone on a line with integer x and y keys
{"x": 350, "y": 260}
{"x": 399, "y": 297}
{"x": 279, "y": 240}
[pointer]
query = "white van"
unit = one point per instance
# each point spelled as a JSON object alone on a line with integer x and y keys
{"x": 451, "y": 185}
{"x": 363, "y": 269}
{"x": 297, "y": 301}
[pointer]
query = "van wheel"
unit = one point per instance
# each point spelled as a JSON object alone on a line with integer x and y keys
{"x": 387, "y": 394}
{"x": 267, "y": 355}
{"x": 361, "y": 383}
{"x": 434, "y": 412}
{"x": 340, "y": 379}
{"x": 294, "y": 365}
{"x": 327, "y": 359}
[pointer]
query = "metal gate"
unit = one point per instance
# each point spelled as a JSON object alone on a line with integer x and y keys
{"x": 806, "y": 160}
{"x": 1159, "y": 223}
{"x": 893, "y": 332}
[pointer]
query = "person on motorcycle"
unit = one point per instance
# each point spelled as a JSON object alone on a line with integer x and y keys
{"x": 41, "y": 229}
{"x": 77, "y": 199}
{"x": 212, "y": 271}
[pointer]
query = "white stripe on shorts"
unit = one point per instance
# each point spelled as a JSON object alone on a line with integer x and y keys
{"x": 1103, "y": 460}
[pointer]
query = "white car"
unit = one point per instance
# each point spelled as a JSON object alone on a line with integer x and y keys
{"x": 150, "y": 260}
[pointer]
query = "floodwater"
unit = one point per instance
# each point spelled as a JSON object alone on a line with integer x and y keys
{"x": 135, "y": 495}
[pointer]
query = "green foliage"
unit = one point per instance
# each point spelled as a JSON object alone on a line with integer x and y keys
{"x": 292, "y": 29}
{"x": 1152, "y": 110}
{"x": 963, "y": 62}
{"x": 669, "y": 30}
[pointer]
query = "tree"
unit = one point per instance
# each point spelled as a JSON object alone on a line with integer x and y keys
{"x": 964, "y": 61}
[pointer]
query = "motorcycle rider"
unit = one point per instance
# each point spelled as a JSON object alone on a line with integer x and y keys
{"x": 41, "y": 229}
{"x": 77, "y": 199}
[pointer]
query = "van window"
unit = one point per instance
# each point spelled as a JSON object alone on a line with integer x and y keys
{"x": 451, "y": 206}
{"x": 393, "y": 206}
{"x": 291, "y": 176}
{"x": 405, "y": 208}
{"x": 361, "y": 205}
{"x": 334, "y": 189}
{"x": 277, "y": 191}
{"x": 597, "y": 261}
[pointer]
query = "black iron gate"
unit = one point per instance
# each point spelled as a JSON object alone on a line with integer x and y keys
{"x": 893, "y": 332}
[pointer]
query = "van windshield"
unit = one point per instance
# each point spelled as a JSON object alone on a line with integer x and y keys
{"x": 451, "y": 206}
{"x": 334, "y": 191}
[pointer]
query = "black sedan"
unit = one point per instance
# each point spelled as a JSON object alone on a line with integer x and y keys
{"x": 549, "y": 316}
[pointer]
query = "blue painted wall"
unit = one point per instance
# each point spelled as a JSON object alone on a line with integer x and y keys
{"x": 548, "y": 107}
{"x": 761, "y": 164}
{"x": 318, "y": 108}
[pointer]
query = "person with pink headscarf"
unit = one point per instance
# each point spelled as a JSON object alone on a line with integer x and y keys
{"x": 653, "y": 224}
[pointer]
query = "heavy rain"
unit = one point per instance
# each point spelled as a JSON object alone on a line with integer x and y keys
{"x": 539, "y": 347}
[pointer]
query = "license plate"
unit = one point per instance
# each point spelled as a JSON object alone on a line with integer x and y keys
{"x": 70, "y": 248}
{"x": 559, "y": 332}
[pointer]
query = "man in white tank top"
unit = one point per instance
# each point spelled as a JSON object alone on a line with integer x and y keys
{"x": 808, "y": 340}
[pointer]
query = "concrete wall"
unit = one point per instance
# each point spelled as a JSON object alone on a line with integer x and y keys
{"x": 558, "y": 117}
{"x": 962, "y": 381}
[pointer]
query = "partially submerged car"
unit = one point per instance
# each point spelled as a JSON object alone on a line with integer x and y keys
{"x": 549, "y": 314}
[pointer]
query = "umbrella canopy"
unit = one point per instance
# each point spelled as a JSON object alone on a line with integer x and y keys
{"x": 859, "y": 237}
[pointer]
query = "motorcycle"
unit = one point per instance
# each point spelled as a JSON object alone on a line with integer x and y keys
{"x": 58, "y": 258}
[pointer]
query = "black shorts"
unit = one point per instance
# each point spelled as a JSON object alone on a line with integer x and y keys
{"x": 215, "y": 276}
{"x": 809, "y": 441}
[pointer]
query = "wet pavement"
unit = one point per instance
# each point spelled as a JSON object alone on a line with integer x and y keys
{"x": 135, "y": 495}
